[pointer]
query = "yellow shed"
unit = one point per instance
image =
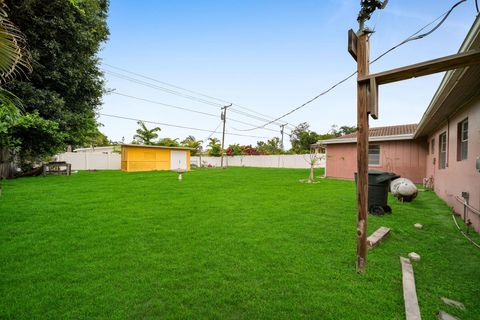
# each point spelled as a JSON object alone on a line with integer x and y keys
{"x": 138, "y": 157}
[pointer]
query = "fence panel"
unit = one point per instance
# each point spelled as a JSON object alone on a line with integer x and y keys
{"x": 91, "y": 160}
{"x": 112, "y": 161}
{"x": 301, "y": 161}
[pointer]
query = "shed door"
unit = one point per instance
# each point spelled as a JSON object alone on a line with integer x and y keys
{"x": 178, "y": 159}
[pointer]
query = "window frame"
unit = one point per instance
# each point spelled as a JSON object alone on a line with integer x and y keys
{"x": 462, "y": 141}
{"x": 379, "y": 155}
{"x": 442, "y": 137}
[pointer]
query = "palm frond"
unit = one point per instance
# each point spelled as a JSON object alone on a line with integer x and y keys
{"x": 15, "y": 59}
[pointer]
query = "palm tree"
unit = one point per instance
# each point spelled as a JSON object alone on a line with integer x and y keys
{"x": 191, "y": 142}
{"x": 145, "y": 135}
{"x": 15, "y": 59}
{"x": 215, "y": 148}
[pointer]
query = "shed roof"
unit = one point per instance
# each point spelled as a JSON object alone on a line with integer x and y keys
{"x": 399, "y": 132}
{"x": 157, "y": 147}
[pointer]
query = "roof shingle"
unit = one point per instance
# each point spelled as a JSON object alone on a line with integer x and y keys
{"x": 386, "y": 131}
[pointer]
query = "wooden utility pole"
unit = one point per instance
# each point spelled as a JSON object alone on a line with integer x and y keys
{"x": 362, "y": 151}
{"x": 224, "y": 118}
{"x": 359, "y": 48}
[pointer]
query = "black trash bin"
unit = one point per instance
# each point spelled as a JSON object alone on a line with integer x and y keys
{"x": 378, "y": 186}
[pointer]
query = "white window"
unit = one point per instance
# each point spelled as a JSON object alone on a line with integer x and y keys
{"x": 442, "y": 151}
{"x": 374, "y": 154}
{"x": 462, "y": 140}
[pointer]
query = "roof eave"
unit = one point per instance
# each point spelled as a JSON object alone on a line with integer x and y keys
{"x": 398, "y": 137}
{"x": 152, "y": 146}
{"x": 450, "y": 79}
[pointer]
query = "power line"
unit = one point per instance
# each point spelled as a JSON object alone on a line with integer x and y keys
{"x": 214, "y": 130}
{"x": 164, "y": 104}
{"x": 160, "y": 88}
{"x": 183, "y": 108}
{"x": 187, "y": 96}
{"x": 414, "y": 36}
{"x": 303, "y": 104}
{"x": 176, "y": 126}
{"x": 181, "y": 88}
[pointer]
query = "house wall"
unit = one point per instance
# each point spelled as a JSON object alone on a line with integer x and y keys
{"x": 404, "y": 157}
{"x": 458, "y": 175}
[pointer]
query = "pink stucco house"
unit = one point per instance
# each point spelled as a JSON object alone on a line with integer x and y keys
{"x": 444, "y": 148}
{"x": 390, "y": 148}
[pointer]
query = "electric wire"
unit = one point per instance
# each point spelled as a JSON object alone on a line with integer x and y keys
{"x": 163, "y": 104}
{"x": 414, "y": 36}
{"x": 214, "y": 130}
{"x": 160, "y": 88}
{"x": 186, "y": 96}
{"x": 183, "y": 108}
{"x": 176, "y": 126}
{"x": 188, "y": 90}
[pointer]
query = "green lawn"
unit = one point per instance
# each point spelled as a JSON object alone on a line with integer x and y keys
{"x": 241, "y": 243}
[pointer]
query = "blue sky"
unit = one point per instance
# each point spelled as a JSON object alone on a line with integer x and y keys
{"x": 266, "y": 55}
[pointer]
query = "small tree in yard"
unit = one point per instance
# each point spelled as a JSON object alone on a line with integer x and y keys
{"x": 313, "y": 160}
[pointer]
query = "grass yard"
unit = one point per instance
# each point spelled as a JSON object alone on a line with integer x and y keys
{"x": 242, "y": 243}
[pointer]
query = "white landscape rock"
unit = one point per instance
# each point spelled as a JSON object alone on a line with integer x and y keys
{"x": 403, "y": 189}
{"x": 453, "y": 303}
{"x": 414, "y": 256}
{"x": 442, "y": 315}
{"x": 418, "y": 226}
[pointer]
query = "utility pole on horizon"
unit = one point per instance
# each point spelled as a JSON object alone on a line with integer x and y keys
{"x": 282, "y": 127}
{"x": 224, "y": 118}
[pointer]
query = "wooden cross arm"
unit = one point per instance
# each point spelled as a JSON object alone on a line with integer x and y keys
{"x": 453, "y": 61}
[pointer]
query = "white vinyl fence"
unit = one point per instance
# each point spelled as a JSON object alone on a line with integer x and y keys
{"x": 91, "y": 160}
{"x": 112, "y": 161}
{"x": 300, "y": 161}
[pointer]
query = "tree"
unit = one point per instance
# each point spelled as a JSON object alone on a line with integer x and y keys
{"x": 313, "y": 160}
{"x": 249, "y": 151}
{"x": 15, "y": 60}
{"x": 343, "y": 130}
{"x": 168, "y": 142}
{"x": 272, "y": 146}
{"x": 66, "y": 84}
{"x": 145, "y": 135}
{"x": 234, "y": 150}
{"x": 97, "y": 139}
{"x": 191, "y": 142}
{"x": 302, "y": 138}
{"x": 35, "y": 136}
{"x": 215, "y": 148}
